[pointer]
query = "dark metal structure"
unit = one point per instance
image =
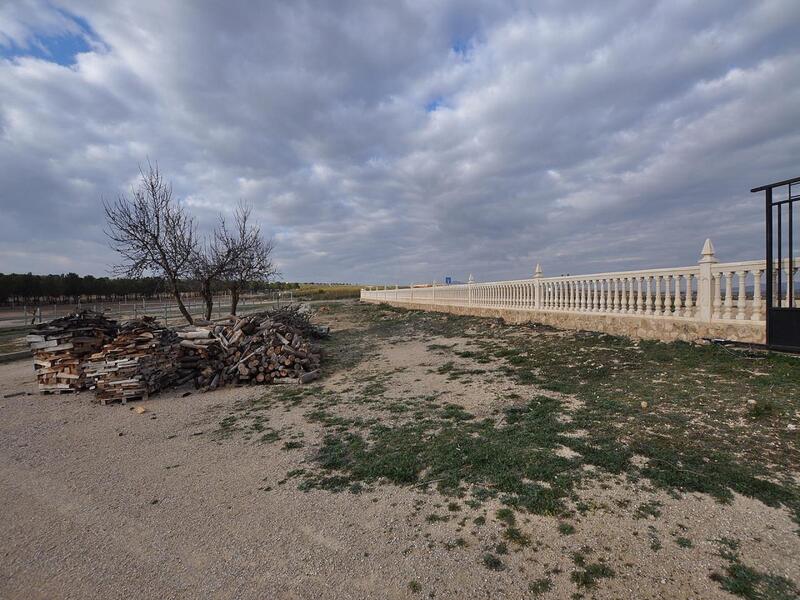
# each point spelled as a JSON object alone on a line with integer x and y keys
{"x": 783, "y": 314}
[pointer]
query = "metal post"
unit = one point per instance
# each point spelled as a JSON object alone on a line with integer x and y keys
{"x": 790, "y": 277}
{"x": 769, "y": 257}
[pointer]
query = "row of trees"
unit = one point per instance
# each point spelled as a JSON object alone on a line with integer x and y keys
{"x": 156, "y": 235}
{"x": 27, "y": 288}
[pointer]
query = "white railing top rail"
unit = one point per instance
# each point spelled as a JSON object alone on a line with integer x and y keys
{"x": 707, "y": 258}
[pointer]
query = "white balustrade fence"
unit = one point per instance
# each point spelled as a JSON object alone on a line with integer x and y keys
{"x": 708, "y": 292}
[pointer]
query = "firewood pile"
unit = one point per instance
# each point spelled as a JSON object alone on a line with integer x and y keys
{"x": 142, "y": 360}
{"x": 60, "y": 346}
{"x": 262, "y": 348}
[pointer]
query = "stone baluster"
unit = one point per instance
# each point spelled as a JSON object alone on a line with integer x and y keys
{"x": 717, "y": 296}
{"x": 678, "y": 297}
{"x": 630, "y": 304}
{"x": 667, "y": 296}
{"x": 584, "y": 295}
{"x": 612, "y": 290}
{"x": 775, "y": 277}
{"x": 639, "y": 302}
{"x": 626, "y": 291}
{"x": 741, "y": 298}
{"x": 572, "y": 295}
{"x": 648, "y": 303}
{"x": 728, "y": 313}
{"x": 598, "y": 290}
{"x": 756, "y": 314}
{"x": 574, "y": 286}
{"x": 658, "y": 310}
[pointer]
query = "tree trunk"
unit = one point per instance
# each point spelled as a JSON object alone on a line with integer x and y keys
{"x": 177, "y": 294}
{"x": 234, "y": 298}
{"x": 208, "y": 298}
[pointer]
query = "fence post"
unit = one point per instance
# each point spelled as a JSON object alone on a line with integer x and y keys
{"x": 470, "y": 283}
{"x": 705, "y": 297}
{"x": 434, "y": 292}
{"x": 537, "y": 295}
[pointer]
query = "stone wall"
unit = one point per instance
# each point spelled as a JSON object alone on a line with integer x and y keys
{"x": 635, "y": 326}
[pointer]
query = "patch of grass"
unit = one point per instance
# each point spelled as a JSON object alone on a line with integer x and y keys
{"x": 648, "y": 509}
{"x": 747, "y": 582}
{"x": 684, "y": 542}
{"x": 292, "y": 445}
{"x": 414, "y": 587}
{"x": 566, "y": 528}
{"x": 493, "y": 563}
{"x": 590, "y": 574}
{"x": 540, "y": 586}
{"x": 516, "y": 459}
{"x": 434, "y": 518}
{"x": 481, "y": 520}
{"x": 516, "y": 536}
{"x": 270, "y": 436}
{"x": 655, "y": 541}
{"x": 763, "y": 408}
{"x": 506, "y": 515}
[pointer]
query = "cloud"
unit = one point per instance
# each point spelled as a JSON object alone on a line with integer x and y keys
{"x": 405, "y": 141}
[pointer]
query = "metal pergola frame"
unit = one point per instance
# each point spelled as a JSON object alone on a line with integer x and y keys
{"x": 793, "y": 316}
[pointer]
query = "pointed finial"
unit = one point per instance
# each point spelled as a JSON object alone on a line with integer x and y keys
{"x": 471, "y": 279}
{"x": 708, "y": 252}
{"x": 538, "y": 271}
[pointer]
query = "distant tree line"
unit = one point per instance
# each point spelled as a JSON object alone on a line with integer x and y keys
{"x": 26, "y": 288}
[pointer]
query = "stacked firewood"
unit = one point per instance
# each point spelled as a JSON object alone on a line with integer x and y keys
{"x": 142, "y": 360}
{"x": 60, "y": 346}
{"x": 201, "y": 354}
{"x": 259, "y": 348}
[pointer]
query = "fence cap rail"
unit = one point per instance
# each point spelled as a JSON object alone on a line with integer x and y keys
{"x": 769, "y": 186}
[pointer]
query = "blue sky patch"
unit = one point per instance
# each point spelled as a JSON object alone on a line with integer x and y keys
{"x": 59, "y": 48}
{"x": 460, "y": 46}
{"x": 434, "y": 104}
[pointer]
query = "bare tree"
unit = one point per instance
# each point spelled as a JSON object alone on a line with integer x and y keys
{"x": 253, "y": 260}
{"x": 214, "y": 261}
{"x": 153, "y": 233}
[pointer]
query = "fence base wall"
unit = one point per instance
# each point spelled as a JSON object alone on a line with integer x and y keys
{"x": 666, "y": 329}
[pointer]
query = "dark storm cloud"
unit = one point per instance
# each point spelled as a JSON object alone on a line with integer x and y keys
{"x": 405, "y": 141}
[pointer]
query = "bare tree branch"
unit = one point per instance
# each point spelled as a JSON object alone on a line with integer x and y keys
{"x": 152, "y": 232}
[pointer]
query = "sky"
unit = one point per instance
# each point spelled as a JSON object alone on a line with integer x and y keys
{"x": 397, "y": 142}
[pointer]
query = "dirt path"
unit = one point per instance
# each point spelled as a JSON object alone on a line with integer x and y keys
{"x": 104, "y": 502}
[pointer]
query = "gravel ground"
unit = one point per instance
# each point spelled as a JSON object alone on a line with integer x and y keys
{"x": 102, "y": 502}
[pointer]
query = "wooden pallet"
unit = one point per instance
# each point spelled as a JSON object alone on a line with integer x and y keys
{"x": 123, "y": 400}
